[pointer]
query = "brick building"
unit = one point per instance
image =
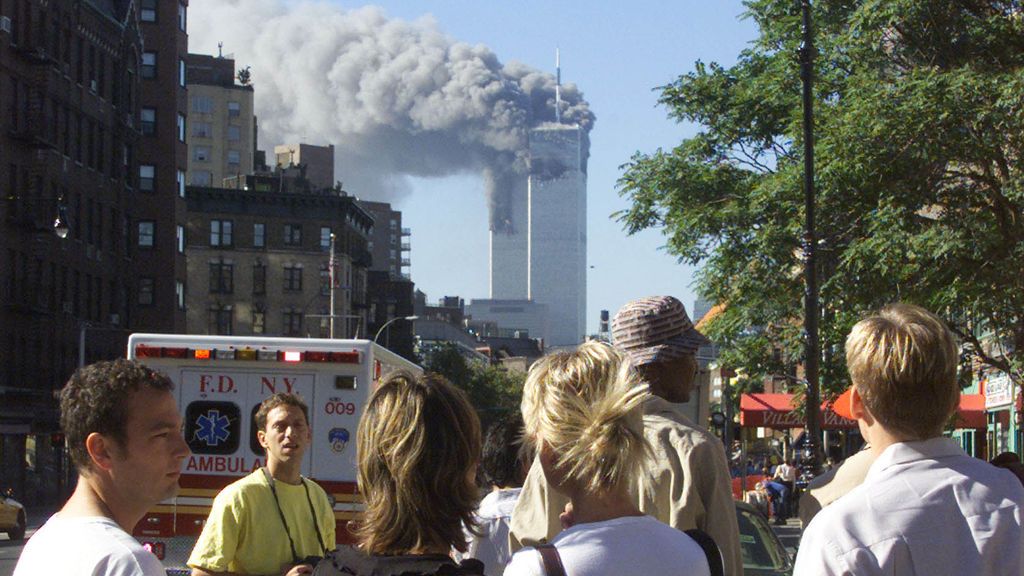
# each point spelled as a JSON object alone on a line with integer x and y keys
{"x": 75, "y": 79}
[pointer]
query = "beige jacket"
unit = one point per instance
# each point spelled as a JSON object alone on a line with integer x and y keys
{"x": 686, "y": 485}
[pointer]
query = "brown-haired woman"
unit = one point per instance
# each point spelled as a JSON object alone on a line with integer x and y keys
{"x": 418, "y": 446}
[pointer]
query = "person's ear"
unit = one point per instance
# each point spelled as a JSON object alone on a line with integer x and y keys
{"x": 101, "y": 450}
{"x": 261, "y": 437}
{"x": 857, "y": 408}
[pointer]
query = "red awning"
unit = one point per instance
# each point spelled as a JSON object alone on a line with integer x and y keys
{"x": 776, "y": 411}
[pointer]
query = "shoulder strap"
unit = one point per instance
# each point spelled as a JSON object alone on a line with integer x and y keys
{"x": 711, "y": 551}
{"x": 552, "y": 560}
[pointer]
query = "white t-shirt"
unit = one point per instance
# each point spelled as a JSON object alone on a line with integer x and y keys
{"x": 85, "y": 546}
{"x": 627, "y": 545}
{"x": 493, "y": 518}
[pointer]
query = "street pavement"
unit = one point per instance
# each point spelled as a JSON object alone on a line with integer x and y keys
{"x": 789, "y": 533}
{"x": 10, "y": 551}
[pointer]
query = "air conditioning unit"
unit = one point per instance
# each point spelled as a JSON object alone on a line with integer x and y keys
{"x": 65, "y": 307}
{"x": 115, "y": 318}
{"x": 92, "y": 86}
{"x": 5, "y": 24}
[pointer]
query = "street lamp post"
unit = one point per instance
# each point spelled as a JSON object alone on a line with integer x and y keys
{"x": 389, "y": 323}
{"x": 811, "y": 296}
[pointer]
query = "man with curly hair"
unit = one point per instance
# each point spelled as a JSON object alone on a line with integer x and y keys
{"x": 123, "y": 433}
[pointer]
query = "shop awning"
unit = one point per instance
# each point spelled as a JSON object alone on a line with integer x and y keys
{"x": 776, "y": 411}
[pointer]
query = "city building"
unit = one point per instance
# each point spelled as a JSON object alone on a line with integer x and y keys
{"x": 389, "y": 241}
{"x": 508, "y": 318}
{"x": 88, "y": 216}
{"x": 162, "y": 161}
{"x": 222, "y": 124}
{"x": 318, "y": 160}
{"x": 540, "y": 253}
{"x": 259, "y": 262}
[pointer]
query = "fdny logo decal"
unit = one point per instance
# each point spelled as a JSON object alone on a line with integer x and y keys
{"x": 338, "y": 437}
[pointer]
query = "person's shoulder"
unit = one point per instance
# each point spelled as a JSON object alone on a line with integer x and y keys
{"x": 525, "y": 562}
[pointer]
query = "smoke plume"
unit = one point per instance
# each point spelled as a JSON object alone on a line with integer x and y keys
{"x": 394, "y": 97}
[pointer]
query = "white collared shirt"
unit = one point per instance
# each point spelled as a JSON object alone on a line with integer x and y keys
{"x": 925, "y": 508}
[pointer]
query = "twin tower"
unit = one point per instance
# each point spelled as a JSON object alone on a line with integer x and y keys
{"x": 538, "y": 264}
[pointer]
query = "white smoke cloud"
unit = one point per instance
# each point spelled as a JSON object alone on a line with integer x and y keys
{"x": 395, "y": 97}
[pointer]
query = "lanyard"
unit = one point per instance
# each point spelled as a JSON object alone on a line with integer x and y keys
{"x": 312, "y": 512}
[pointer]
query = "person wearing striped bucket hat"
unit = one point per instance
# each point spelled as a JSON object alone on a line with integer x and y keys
{"x": 686, "y": 483}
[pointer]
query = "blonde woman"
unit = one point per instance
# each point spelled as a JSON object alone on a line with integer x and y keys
{"x": 583, "y": 411}
{"x": 418, "y": 446}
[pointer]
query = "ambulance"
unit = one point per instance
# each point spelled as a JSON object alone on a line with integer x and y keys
{"x": 220, "y": 382}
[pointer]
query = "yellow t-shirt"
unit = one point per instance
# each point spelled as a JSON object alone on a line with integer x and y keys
{"x": 244, "y": 533}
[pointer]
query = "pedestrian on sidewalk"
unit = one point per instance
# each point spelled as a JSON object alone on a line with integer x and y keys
{"x": 925, "y": 506}
{"x": 686, "y": 484}
{"x": 583, "y": 412}
{"x": 123, "y": 433}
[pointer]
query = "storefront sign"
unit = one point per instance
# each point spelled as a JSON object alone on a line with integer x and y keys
{"x": 998, "y": 390}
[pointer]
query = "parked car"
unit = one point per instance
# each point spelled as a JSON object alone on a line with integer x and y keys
{"x": 763, "y": 552}
{"x": 12, "y": 517}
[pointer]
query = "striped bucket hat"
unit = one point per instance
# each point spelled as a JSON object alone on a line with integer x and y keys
{"x": 654, "y": 329}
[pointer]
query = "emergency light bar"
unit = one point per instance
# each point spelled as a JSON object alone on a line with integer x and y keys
{"x": 290, "y": 356}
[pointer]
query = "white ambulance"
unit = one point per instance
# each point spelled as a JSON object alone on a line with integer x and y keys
{"x": 220, "y": 382}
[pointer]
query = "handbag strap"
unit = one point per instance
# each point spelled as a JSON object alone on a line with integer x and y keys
{"x": 552, "y": 560}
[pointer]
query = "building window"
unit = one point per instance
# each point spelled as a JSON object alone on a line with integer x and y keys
{"x": 181, "y": 239}
{"x": 259, "y": 278}
{"x": 181, "y": 183}
{"x": 292, "y": 278}
{"x": 220, "y": 320}
{"x": 179, "y": 294}
{"x": 182, "y": 17}
{"x": 234, "y": 158}
{"x": 147, "y": 177}
{"x": 202, "y": 129}
{"x": 148, "y": 120}
{"x": 148, "y": 11}
{"x": 234, "y": 109}
{"x": 148, "y": 65}
{"x": 234, "y": 133}
{"x": 147, "y": 233}
{"x": 220, "y": 233}
{"x": 292, "y": 323}
{"x": 259, "y": 320}
{"x": 325, "y": 237}
{"x": 181, "y": 72}
{"x": 181, "y": 127}
{"x": 201, "y": 177}
{"x": 293, "y": 234}
{"x": 146, "y": 287}
{"x": 201, "y": 154}
{"x": 259, "y": 235}
{"x": 222, "y": 278}
{"x": 202, "y": 104}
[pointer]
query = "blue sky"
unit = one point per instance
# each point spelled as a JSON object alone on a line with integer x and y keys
{"x": 617, "y": 53}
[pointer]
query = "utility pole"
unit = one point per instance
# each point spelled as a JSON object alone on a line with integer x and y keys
{"x": 811, "y": 346}
{"x": 333, "y": 280}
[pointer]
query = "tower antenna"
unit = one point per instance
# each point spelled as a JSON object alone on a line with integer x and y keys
{"x": 558, "y": 87}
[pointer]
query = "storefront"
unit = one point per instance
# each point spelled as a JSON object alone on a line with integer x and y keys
{"x": 1003, "y": 430}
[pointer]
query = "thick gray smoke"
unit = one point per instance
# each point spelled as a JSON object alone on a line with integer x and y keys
{"x": 395, "y": 97}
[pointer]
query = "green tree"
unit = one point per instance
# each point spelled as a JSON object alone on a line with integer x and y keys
{"x": 492, "y": 390}
{"x": 919, "y": 127}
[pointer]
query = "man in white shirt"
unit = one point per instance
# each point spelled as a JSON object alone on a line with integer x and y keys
{"x": 123, "y": 433}
{"x": 504, "y": 463}
{"x": 925, "y": 506}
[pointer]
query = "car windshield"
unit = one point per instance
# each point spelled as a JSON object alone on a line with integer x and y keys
{"x": 757, "y": 544}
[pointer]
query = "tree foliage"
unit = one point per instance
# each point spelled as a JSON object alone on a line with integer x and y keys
{"x": 492, "y": 390}
{"x": 919, "y": 128}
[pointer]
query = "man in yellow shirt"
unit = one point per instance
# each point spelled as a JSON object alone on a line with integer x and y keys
{"x": 271, "y": 521}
